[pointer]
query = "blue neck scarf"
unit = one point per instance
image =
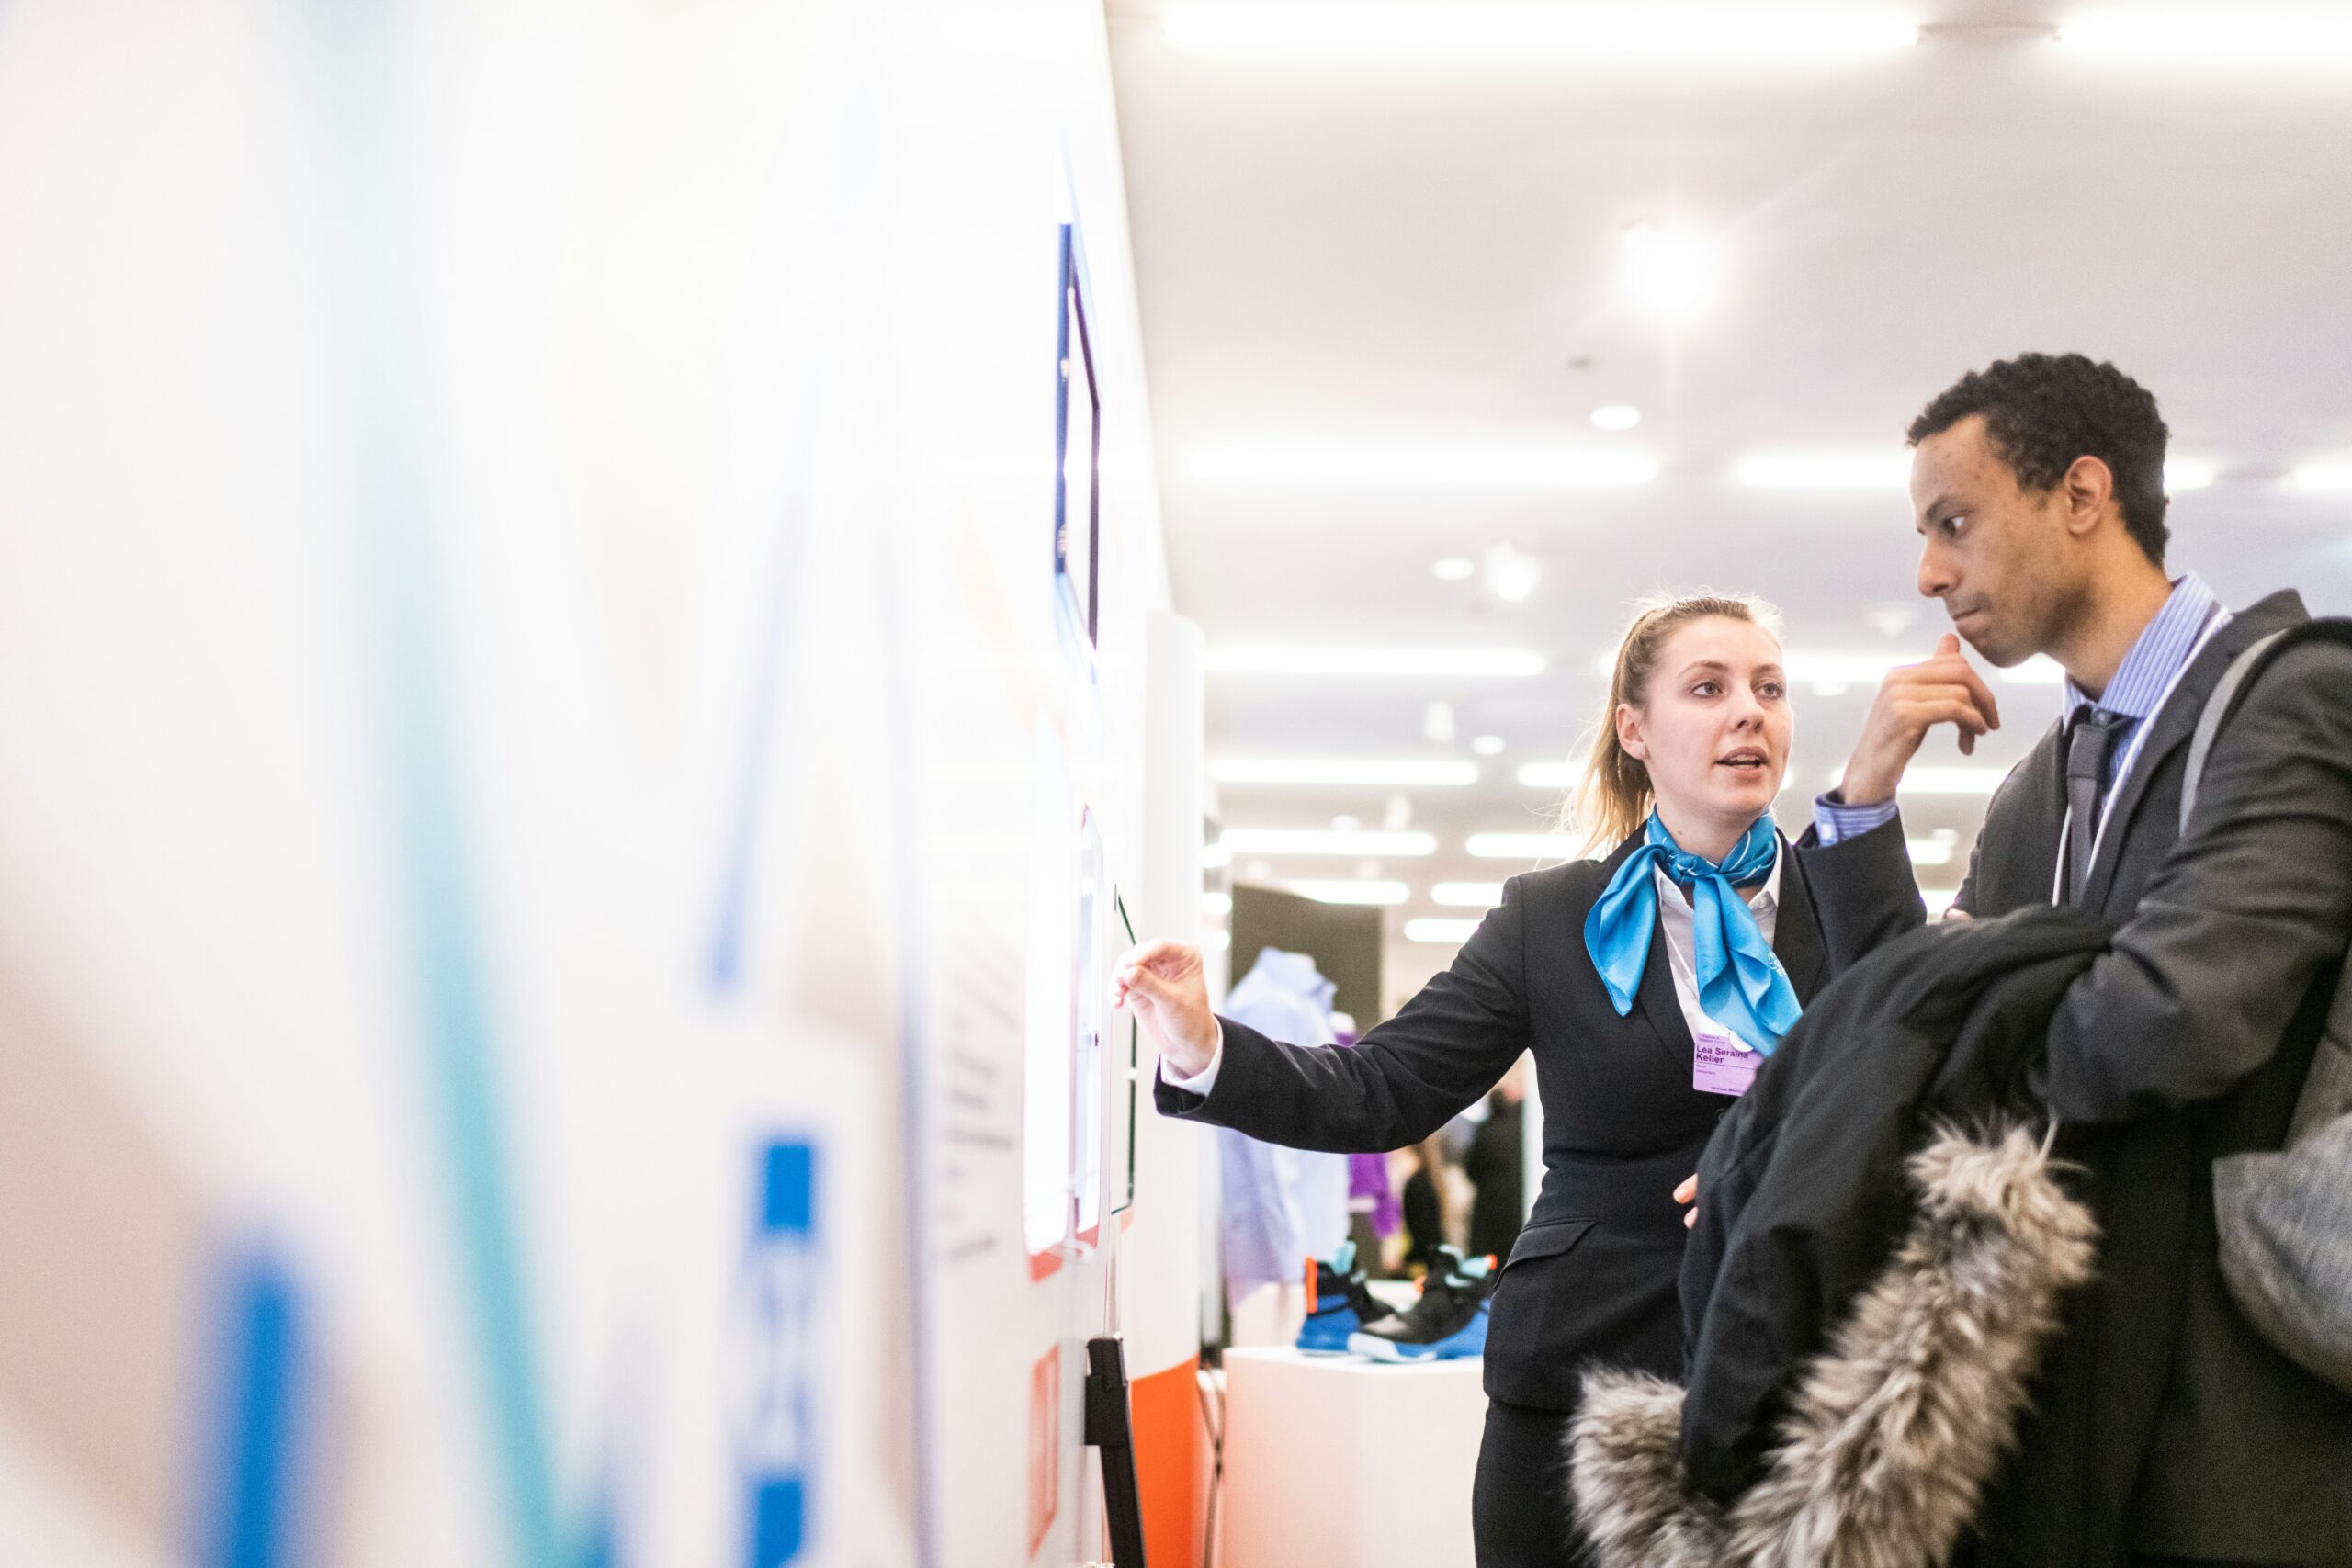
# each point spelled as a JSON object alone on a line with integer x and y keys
{"x": 1741, "y": 983}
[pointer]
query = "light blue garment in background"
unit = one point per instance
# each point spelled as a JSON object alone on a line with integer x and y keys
{"x": 1281, "y": 1206}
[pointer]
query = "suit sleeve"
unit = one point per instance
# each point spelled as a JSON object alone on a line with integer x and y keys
{"x": 1863, "y": 890}
{"x": 1403, "y": 1079}
{"x": 2247, "y": 910}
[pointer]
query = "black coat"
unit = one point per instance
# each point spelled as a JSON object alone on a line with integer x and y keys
{"x": 1804, "y": 1184}
{"x": 2189, "y": 1039}
{"x": 1592, "y": 1277}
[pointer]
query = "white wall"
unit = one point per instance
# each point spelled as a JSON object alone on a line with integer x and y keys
{"x": 522, "y": 636}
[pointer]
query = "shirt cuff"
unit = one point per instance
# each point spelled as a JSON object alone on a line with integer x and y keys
{"x": 1206, "y": 1079}
{"x": 1837, "y": 820}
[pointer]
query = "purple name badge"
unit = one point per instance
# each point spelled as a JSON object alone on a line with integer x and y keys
{"x": 1721, "y": 1065}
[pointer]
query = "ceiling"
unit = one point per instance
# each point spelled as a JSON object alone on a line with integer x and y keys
{"x": 1415, "y": 253}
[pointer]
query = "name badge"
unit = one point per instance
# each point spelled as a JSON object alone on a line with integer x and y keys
{"x": 1720, "y": 1062}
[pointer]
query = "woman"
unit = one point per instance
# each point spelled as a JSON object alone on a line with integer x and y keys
{"x": 1647, "y": 984}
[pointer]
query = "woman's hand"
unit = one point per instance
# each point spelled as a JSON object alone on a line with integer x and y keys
{"x": 1689, "y": 1193}
{"x": 1163, "y": 986}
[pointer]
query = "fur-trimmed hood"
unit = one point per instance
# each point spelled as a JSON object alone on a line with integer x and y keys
{"x": 1893, "y": 1432}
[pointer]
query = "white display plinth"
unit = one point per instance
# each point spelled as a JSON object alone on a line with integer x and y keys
{"x": 1331, "y": 1461}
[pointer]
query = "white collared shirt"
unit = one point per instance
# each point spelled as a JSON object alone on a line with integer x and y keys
{"x": 1676, "y": 921}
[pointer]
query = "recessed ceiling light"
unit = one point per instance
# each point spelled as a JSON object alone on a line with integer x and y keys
{"x": 1408, "y": 773}
{"x": 1217, "y": 906}
{"x": 1455, "y": 569}
{"x": 1350, "y": 892}
{"x": 1825, "y": 470}
{"x": 1438, "y": 929}
{"x": 1547, "y": 32}
{"x": 1467, "y": 894}
{"x": 2187, "y": 473}
{"x": 1215, "y": 855}
{"x": 1325, "y": 841}
{"x": 1386, "y": 466}
{"x": 1488, "y": 745}
{"x": 1522, "y": 846}
{"x": 1547, "y": 776}
{"x": 1500, "y": 662}
{"x": 1511, "y": 575}
{"x": 1669, "y": 270}
{"x": 1616, "y": 416}
{"x": 2332, "y": 479}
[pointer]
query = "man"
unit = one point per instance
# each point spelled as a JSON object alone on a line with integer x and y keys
{"x": 2166, "y": 1429}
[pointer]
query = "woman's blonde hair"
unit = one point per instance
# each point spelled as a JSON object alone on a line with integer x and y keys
{"x": 1613, "y": 798}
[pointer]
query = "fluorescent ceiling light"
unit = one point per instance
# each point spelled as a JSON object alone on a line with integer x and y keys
{"x": 1455, "y": 569}
{"x": 1358, "y": 892}
{"x": 1325, "y": 841}
{"x": 1438, "y": 929}
{"x": 2185, "y": 473}
{"x": 1435, "y": 773}
{"x": 1928, "y": 852}
{"x": 1522, "y": 846}
{"x": 1488, "y": 745}
{"x": 2213, "y": 34}
{"x": 1501, "y": 662}
{"x": 1516, "y": 32}
{"x": 1467, "y": 894}
{"x": 1939, "y": 781}
{"x": 1547, "y": 776}
{"x": 1829, "y": 672}
{"x": 2038, "y": 671}
{"x": 1825, "y": 470}
{"x": 2334, "y": 478}
{"x": 1386, "y": 466}
{"x": 1937, "y": 900}
{"x": 1616, "y": 416}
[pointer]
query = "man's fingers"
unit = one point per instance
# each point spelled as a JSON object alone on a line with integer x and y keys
{"x": 1688, "y": 1191}
{"x": 1946, "y": 644}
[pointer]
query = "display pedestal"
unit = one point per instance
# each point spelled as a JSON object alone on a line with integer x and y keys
{"x": 1331, "y": 1461}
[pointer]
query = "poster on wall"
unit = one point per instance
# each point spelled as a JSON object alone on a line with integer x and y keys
{"x": 1078, "y": 455}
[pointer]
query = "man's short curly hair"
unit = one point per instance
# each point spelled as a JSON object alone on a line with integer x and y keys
{"x": 2044, "y": 410}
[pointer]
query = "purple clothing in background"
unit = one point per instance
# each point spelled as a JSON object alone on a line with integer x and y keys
{"x": 1368, "y": 1178}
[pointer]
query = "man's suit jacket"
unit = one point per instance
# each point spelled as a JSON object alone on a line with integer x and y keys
{"x": 1592, "y": 1277}
{"x": 2173, "y": 1428}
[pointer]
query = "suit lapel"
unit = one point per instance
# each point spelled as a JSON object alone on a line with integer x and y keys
{"x": 1796, "y": 931}
{"x": 2172, "y": 725}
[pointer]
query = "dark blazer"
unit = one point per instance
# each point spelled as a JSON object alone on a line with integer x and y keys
{"x": 1592, "y": 1276}
{"x": 2187, "y": 1040}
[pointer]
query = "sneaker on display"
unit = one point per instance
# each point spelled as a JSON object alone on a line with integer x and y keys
{"x": 1447, "y": 1324}
{"x": 1338, "y": 1303}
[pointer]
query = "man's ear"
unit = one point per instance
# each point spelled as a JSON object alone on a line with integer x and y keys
{"x": 2088, "y": 487}
{"x": 1629, "y": 733}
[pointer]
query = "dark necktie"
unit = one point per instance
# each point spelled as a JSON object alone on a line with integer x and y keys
{"x": 2090, "y": 740}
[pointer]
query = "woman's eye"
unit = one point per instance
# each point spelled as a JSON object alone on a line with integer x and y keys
{"x": 1704, "y": 689}
{"x": 1773, "y": 689}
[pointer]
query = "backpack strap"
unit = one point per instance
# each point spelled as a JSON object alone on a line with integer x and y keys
{"x": 2249, "y": 663}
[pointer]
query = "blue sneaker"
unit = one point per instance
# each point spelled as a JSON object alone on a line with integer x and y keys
{"x": 1449, "y": 1323}
{"x": 1339, "y": 1303}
